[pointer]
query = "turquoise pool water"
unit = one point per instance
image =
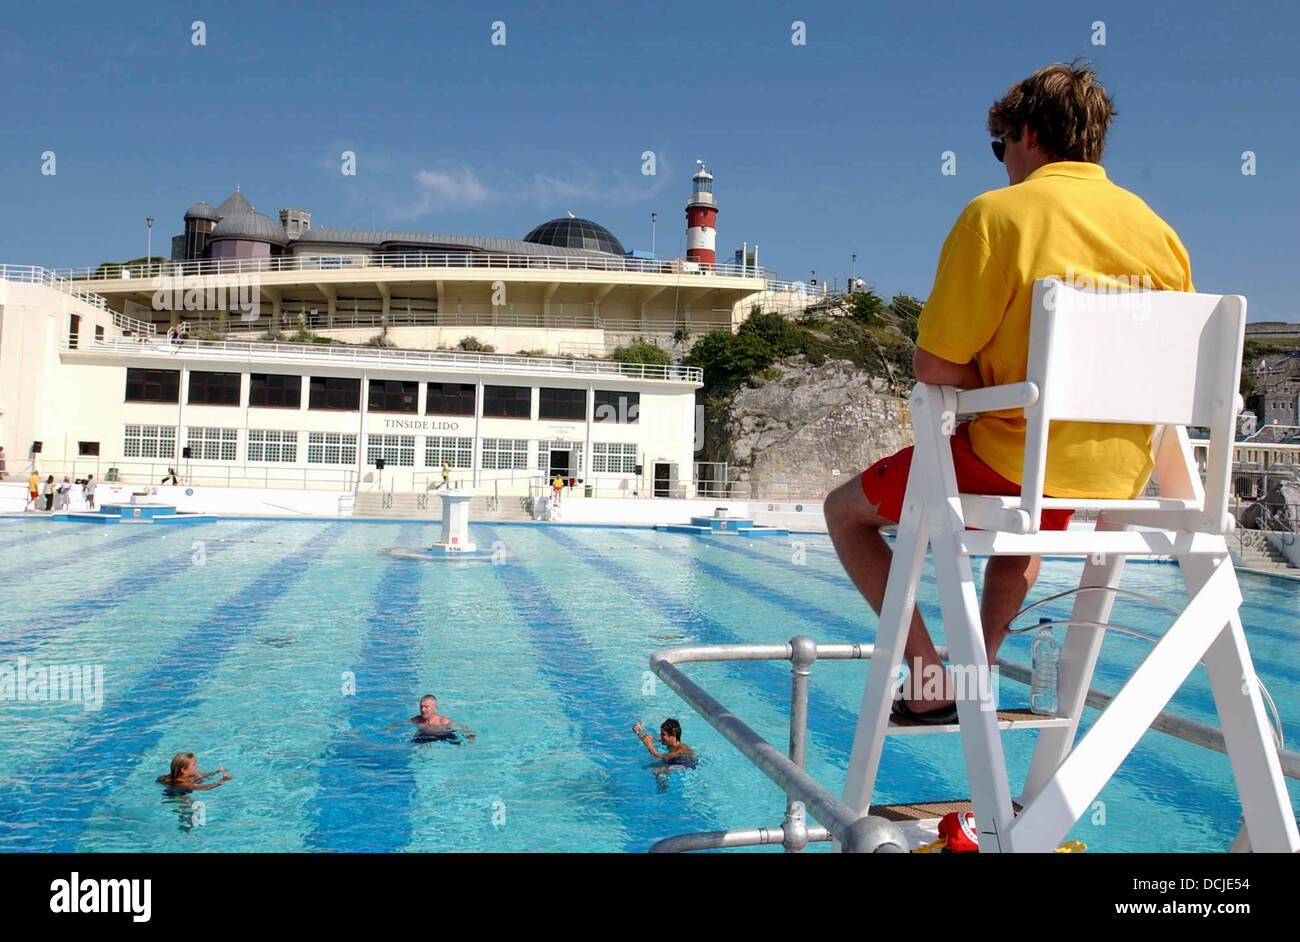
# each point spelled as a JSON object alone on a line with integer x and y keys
{"x": 241, "y": 641}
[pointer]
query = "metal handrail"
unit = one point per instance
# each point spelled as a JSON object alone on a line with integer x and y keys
{"x": 134, "y": 472}
{"x": 430, "y": 259}
{"x": 802, "y": 790}
{"x": 34, "y": 274}
{"x": 379, "y": 356}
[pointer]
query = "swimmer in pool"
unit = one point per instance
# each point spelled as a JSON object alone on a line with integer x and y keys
{"x": 670, "y": 734}
{"x": 185, "y": 774}
{"x": 429, "y": 725}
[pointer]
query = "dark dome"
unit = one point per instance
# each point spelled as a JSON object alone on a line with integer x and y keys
{"x": 571, "y": 233}
{"x": 249, "y": 226}
{"x": 201, "y": 210}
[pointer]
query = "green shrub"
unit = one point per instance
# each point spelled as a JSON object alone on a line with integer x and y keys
{"x": 642, "y": 351}
{"x": 474, "y": 345}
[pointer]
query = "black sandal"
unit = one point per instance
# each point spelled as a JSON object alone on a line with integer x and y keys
{"x": 943, "y": 717}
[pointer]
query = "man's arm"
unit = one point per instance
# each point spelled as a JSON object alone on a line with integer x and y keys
{"x": 933, "y": 369}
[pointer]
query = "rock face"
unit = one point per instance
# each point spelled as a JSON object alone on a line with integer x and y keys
{"x": 789, "y": 435}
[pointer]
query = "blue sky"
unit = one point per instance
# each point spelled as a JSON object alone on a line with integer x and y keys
{"x": 819, "y": 150}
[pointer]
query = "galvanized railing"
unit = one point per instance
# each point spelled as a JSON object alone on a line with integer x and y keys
{"x": 382, "y": 357}
{"x": 805, "y": 796}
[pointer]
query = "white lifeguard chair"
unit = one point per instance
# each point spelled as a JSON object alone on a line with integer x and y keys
{"x": 1165, "y": 359}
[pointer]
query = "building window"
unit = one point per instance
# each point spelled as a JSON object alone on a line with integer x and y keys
{"x": 149, "y": 441}
{"x": 393, "y": 395}
{"x": 505, "y": 454}
{"x": 613, "y": 457}
{"x": 99, "y": 332}
{"x": 508, "y": 402}
{"x": 275, "y": 391}
{"x": 544, "y": 449}
{"x": 394, "y": 449}
{"x": 449, "y": 399}
{"x": 153, "y": 385}
{"x": 335, "y": 392}
{"x": 562, "y": 404}
{"x": 213, "y": 444}
{"x": 88, "y": 449}
{"x": 214, "y": 389}
{"x": 331, "y": 448}
{"x": 272, "y": 445}
{"x": 457, "y": 452}
{"x": 621, "y": 407}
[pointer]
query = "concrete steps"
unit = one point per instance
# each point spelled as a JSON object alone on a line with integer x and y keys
{"x": 1264, "y": 557}
{"x": 417, "y": 506}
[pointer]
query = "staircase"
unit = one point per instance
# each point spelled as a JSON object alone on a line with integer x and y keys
{"x": 417, "y": 506}
{"x": 1261, "y": 554}
{"x": 507, "y": 509}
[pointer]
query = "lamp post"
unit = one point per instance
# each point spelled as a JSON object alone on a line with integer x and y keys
{"x": 148, "y": 251}
{"x": 654, "y": 218}
{"x": 854, "y": 276}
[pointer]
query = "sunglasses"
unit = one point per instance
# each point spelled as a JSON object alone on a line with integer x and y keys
{"x": 1000, "y": 149}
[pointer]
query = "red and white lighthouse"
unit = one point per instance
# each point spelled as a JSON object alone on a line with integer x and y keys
{"x": 702, "y": 219}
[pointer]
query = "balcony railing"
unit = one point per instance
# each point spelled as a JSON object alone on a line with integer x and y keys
{"x": 440, "y": 260}
{"x": 34, "y": 274}
{"x": 372, "y": 357}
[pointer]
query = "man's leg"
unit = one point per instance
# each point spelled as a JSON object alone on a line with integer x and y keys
{"x": 854, "y": 527}
{"x": 1007, "y": 580}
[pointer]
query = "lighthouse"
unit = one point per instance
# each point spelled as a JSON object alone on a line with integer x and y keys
{"x": 701, "y": 219}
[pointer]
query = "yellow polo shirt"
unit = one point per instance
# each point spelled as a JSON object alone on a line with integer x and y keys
{"x": 1065, "y": 219}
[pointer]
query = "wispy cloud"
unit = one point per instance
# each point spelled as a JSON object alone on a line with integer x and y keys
{"x": 456, "y": 188}
{"x": 601, "y": 189}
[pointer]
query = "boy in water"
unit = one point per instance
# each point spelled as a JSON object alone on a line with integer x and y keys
{"x": 670, "y": 734}
{"x": 429, "y": 723}
{"x": 185, "y": 774}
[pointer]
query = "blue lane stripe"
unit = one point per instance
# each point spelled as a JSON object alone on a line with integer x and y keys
{"x": 831, "y": 621}
{"x": 76, "y": 611}
{"x": 366, "y": 787}
{"x": 593, "y": 703}
{"x": 771, "y": 681}
{"x": 21, "y": 574}
{"x": 52, "y": 818}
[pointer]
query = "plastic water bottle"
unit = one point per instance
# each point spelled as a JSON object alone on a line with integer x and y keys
{"x": 1045, "y": 658}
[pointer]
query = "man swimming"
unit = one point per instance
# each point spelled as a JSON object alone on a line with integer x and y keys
{"x": 670, "y": 734}
{"x": 431, "y": 726}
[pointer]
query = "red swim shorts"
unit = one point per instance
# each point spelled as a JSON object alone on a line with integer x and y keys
{"x": 885, "y": 481}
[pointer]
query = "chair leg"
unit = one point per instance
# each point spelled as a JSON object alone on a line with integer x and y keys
{"x": 981, "y": 740}
{"x": 1266, "y": 805}
{"x": 1078, "y": 662}
{"x": 887, "y": 654}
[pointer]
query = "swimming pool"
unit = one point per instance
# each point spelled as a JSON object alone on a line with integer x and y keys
{"x": 283, "y": 649}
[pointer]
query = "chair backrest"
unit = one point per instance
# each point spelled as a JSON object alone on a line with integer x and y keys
{"x": 1135, "y": 357}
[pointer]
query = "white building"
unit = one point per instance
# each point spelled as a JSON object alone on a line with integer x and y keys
{"x": 84, "y": 389}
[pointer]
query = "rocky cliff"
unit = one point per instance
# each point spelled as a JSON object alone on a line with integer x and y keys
{"x": 803, "y": 429}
